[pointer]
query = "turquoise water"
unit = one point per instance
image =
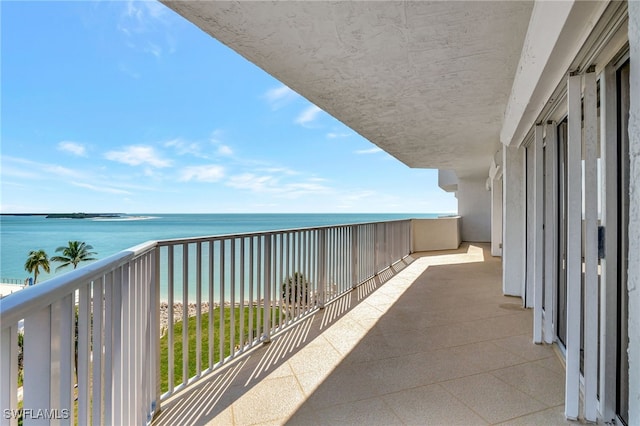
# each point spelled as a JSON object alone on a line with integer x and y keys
{"x": 21, "y": 234}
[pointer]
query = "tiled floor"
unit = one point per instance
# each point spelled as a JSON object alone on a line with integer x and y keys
{"x": 436, "y": 343}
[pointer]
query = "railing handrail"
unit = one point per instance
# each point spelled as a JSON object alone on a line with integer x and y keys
{"x": 188, "y": 240}
{"x": 35, "y": 297}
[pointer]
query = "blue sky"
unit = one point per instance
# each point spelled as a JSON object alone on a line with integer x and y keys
{"x": 127, "y": 107}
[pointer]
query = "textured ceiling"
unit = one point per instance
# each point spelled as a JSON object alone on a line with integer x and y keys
{"x": 427, "y": 82}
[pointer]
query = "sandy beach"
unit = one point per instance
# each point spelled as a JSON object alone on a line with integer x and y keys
{"x": 177, "y": 312}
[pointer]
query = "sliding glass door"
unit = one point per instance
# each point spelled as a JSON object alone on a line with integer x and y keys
{"x": 623, "y": 243}
{"x": 561, "y": 309}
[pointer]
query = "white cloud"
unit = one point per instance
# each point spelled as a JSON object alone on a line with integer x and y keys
{"x": 280, "y": 96}
{"x": 124, "y": 68}
{"x": 308, "y": 115}
{"x": 136, "y": 155}
{"x": 357, "y": 196}
{"x": 96, "y": 188}
{"x": 369, "y": 151}
{"x": 251, "y": 181}
{"x": 282, "y": 170}
{"x": 199, "y": 149}
{"x": 74, "y": 148}
{"x": 225, "y": 150}
{"x": 334, "y": 135}
{"x": 183, "y": 147}
{"x": 206, "y": 173}
{"x": 23, "y": 168}
{"x": 273, "y": 185}
{"x": 60, "y": 170}
{"x": 154, "y": 49}
{"x": 155, "y": 9}
{"x": 296, "y": 190}
{"x": 145, "y": 25}
{"x": 18, "y": 173}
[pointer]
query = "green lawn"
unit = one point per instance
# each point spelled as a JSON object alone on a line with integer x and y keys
{"x": 178, "y": 342}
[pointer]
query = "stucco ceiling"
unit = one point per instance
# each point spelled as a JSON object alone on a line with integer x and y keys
{"x": 427, "y": 82}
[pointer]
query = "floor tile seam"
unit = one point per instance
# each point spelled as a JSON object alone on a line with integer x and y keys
{"x": 379, "y": 313}
{"x": 233, "y": 415}
{"x": 480, "y": 319}
{"x": 304, "y": 394}
{"x": 528, "y": 360}
{"x": 487, "y": 304}
{"x": 270, "y": 419}
{"x": 551, "y": 369}
{"x": 395, "y": 413}
{"x": 337, "y": 404}
{"x": 365, "y": 301}
{"x": 458, "y": 346}
{"x": 530, "y": 414}
{"x": 470, "y": 343}
{"x": 454, "y": 322}
{"x": 342, "y": 356}
{"x": 389, "y": 408}
{"x": 387, "y": 358}
{"x": 546, "y": 407}
{"x": 518, "y": 365}
{"x": 523, "y": 391}
{"x": 524, "y": 360}
{"x": 520, "y": 357}
{"x": 552, "y": 355}
{"x": 461, "y": 401}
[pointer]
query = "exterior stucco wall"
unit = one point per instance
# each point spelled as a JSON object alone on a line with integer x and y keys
{"x": 447, "y": 180}
{"x": 634, "y": 216}
{"x": 474, "y": 205}
{"x": 513, "y": 224}
{"x": 436, "y": 234}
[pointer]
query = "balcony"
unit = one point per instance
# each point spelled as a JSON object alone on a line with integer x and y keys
{"x": 372, "y": 333}
{"x": 432, "y": 341}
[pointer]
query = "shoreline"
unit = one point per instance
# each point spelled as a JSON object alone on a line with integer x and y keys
{"x": 192, "y": 311}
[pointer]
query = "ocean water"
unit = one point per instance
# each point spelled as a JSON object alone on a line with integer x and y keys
{"x": 21, "y": 234}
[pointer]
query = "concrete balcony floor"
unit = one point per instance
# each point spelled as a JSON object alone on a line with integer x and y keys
{"x": 433, "y": 341}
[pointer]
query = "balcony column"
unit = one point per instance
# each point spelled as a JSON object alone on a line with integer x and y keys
{"x": 495, "y": 174}
{"x": 474, "y": 205}
{"x": 633, "y": 281}
{"x": 513, "y": 225}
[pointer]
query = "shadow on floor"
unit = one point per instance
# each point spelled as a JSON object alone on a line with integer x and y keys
{"x": 212, "y": 394}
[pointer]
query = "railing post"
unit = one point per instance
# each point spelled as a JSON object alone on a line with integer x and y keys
{"x": 84, "y": 316}
{"x": 9, "y": 369}
{"x": 354, "y": 256}
{"x": 267, "y": 290}
{"x": 37, "y": 363}
{"x": 155, "y": 331}
{"x": 322, "y": 267}
{"x": 375, "y": 249}
{"x": 63, "y": 323}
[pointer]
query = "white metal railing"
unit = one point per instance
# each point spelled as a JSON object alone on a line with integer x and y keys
{"x": 15, "y": 281}
{"x": 114, "y": 343}
{"x": 235, "y": 292}
{"x": 243, "y": 288}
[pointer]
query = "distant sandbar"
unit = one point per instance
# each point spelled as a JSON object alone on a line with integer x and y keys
{"x": 82, "y": 215}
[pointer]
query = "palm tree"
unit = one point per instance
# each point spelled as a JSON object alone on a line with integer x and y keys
{"x": 37, "y": 259}
{"x": 73, "y": 254}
